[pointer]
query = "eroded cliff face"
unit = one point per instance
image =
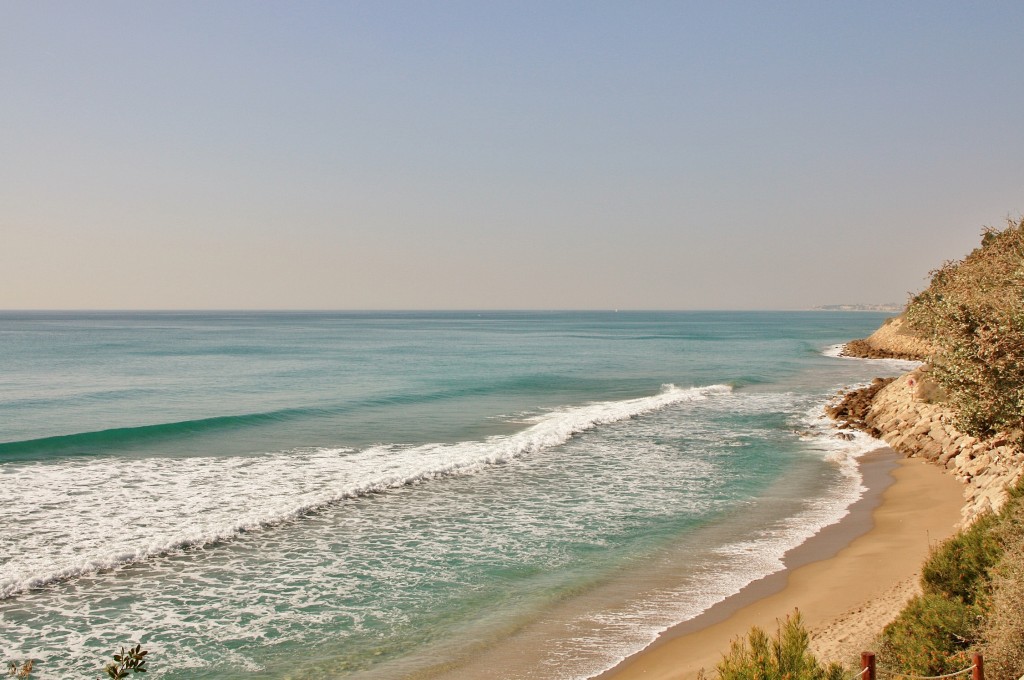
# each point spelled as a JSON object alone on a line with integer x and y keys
{"x": 892, "y": 340}
{"x": 908, "y": 414}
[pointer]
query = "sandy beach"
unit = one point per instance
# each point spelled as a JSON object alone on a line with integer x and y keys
{"x": 847, "y": 581}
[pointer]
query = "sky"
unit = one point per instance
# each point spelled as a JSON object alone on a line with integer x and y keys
{"x": 500, "y": 155}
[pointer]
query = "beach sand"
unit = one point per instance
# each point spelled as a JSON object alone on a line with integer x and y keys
{"x": 847, "y": 581}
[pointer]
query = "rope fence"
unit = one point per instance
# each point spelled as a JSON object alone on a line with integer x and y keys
{"x": 869, "y": 671}
{"x": 894, "y": 674}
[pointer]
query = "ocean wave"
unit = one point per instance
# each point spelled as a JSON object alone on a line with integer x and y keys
{"x": 111, "y": 440}
{"x": 77, "y": 517}
{"x": 101, "y": 441}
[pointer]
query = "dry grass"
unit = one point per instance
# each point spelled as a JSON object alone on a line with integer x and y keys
{"x": 1002, "y": 632}
{"x": 20, "y": 669}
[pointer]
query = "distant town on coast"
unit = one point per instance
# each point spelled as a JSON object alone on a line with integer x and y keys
{"x": 885, "y": 307}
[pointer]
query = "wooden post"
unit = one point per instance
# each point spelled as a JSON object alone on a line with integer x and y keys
{"x": 979, "y": 668}
{"x": 867, "y": 666}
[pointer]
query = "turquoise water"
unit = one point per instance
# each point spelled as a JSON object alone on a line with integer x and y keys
{"x": 257, "y": 495}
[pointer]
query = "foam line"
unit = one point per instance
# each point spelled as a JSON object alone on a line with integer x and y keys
{"x": 76, "y": 517}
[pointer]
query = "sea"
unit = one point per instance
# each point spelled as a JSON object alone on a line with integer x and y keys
{"x": 255, "y": 495}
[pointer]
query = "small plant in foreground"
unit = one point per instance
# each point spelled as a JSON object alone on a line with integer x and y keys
{"x": 133, "y": 660}
{"x": 19, "y": 670}
{"x": 784, "y": 656}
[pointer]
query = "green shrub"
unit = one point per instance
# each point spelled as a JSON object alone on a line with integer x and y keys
{"x": 133, "y": 660}
{"x": 959, "y": 567}
{"x": 931, "y": 636}
{"x": 785, "y": 656}
{"x": 973, "y": 315}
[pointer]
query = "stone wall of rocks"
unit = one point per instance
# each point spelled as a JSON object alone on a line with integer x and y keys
{"x": 907, "y": 419}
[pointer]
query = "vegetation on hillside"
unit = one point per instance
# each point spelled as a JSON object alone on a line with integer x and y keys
{"x": 973, "y": 601}
{"x": 973, "y": 315}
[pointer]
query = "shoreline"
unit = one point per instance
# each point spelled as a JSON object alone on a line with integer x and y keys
{"x": 847, "y": 580}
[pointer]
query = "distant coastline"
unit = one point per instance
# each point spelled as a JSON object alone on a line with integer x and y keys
{"x": 890, "y": 307}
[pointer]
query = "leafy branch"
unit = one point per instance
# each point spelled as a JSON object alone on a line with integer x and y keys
{"x": 133, "y": 660}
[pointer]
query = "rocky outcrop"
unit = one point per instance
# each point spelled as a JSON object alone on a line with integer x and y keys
{"x": 909, "y": 415}
{"x": 893, "y": 340}
{"x": 852, "y": 410}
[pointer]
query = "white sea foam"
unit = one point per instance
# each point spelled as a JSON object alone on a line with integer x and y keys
{"x": 836, "y": 352}
{"x": 79, "y": 516}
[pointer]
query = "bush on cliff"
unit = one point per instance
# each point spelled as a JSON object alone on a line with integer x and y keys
{"x": 931, "y": 636}
{"x": 1003, "y": 629}
{"x": 973, "y": 315}
{"x": 959, "y": 569}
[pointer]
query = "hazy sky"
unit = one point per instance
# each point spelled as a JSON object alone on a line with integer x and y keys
{"x": 375, "y": 155}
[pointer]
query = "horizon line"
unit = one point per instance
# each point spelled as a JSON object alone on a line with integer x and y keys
{"x": 401, "y": 310}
